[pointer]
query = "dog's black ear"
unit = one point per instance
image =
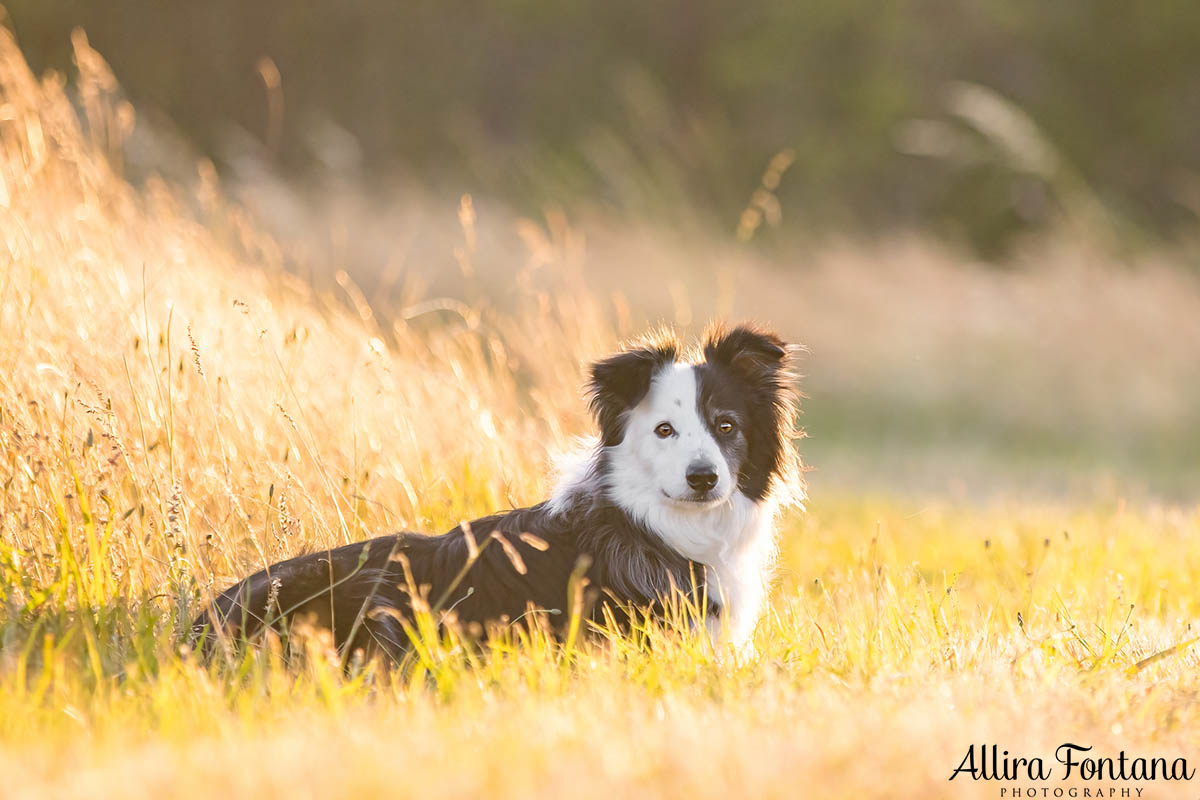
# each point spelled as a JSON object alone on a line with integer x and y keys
{"x": 754, "y": 354}
{"x": 619, "y": 382}
{"x": 763, "y": 362}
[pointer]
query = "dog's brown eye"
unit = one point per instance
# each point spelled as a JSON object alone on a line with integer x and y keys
{"x": 725, "y": 427}
{"x": 664, "y": 430}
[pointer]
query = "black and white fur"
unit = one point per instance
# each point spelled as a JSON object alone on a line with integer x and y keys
{"x": 679, "y": 494}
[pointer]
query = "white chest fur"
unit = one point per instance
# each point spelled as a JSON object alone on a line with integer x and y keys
{"x": 735, "y": 540}
{"x": 736, "y": 543}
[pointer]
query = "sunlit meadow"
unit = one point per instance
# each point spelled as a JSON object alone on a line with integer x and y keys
{"x": 178, "y": 408}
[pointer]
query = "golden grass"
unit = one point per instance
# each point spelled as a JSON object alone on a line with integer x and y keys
{"x": 177, "y": 409}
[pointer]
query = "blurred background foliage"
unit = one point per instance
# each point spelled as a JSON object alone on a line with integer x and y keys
{"x": 978, "y": 120}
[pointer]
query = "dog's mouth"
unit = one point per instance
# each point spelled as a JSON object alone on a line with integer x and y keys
{"x": 695, "y": 500}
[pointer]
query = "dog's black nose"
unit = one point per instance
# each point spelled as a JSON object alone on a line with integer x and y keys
{"x": 701, "y": 477}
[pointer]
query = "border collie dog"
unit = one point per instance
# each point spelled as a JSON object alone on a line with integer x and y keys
{"x": 678, "y": 495}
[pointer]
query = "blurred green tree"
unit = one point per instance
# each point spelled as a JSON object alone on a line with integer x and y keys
{"x": 649, "y": 108}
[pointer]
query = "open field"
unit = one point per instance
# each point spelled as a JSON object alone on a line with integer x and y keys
{"x": 1001, "y": 546}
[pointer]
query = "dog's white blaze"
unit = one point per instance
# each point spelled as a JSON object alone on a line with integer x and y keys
{"x": 646, "y": 463}
{"x": 731, "y": 534}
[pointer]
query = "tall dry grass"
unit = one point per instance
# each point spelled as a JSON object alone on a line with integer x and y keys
{"x": 176, "y": 408}
{"x": 212, "y": 408}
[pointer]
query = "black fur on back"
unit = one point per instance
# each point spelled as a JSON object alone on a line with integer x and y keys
{"x": 360, "y": 591}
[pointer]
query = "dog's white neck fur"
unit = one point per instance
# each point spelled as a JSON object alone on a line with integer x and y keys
{"x": 734, "y": 536}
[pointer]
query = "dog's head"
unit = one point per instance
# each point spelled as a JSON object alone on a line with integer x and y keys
{"x": 690, "y": 434}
